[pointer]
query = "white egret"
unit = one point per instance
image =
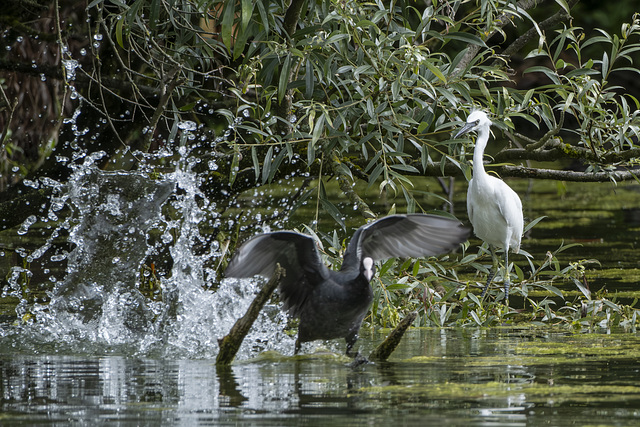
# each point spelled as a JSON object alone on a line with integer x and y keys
{"x": 495, "y": 210}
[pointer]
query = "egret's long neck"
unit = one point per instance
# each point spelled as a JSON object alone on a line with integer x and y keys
{"x": 478, "y": 152}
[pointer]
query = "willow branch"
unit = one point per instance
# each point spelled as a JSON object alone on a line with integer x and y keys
{"x": 540, "y": 173}
{"x": 283, "y": 108}
{"x": 347, "y": 188}
{"x": 568, "y": 175}
{"x": 500, "y": 22}
{"x": 552, "y": 21}
{"x": 556, "y": 150}
{"x": 292, "y": 16}
{"x": 217, "y": 184}
{"x": 547, "y": 136}
{"x": 12, "y": 108}
{"x": 167, "y": 92}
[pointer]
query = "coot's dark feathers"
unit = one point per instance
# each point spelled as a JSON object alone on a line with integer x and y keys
{"x": 332, "y": 304}
{"x": 296, "y": 253}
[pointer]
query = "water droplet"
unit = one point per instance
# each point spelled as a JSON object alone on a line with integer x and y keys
{"x": 24, "y": 227}
{"x": 187, "y": 125}
{"x": 70, "y": 66}
{"x": 30, "y": 183}
{"x": 22, "y": 252}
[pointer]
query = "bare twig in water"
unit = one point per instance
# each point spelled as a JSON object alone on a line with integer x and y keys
{"x": 384, "y": 350}
{"x": 230, "y": 344}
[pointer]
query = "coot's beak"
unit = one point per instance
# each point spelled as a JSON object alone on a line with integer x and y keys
{"x": 369, "y": 269}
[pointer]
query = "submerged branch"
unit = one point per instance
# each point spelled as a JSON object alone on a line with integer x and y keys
{"x": 230, "y": 344}
{"x": 384, "y": 350}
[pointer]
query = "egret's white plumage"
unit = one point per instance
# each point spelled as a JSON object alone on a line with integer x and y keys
{"x": 495, "y": 210}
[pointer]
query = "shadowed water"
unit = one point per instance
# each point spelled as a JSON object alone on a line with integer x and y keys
{"x": 444, "y": 377}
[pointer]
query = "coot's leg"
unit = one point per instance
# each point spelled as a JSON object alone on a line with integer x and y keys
{"x": 351, "y": 341}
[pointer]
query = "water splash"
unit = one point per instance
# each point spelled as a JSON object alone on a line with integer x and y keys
{"x": 118, "y": 222}
{"x": 197, "y": 318}
{"x": 114, "y": 211}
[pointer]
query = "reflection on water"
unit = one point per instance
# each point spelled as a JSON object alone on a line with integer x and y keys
{"x": 453, "y": 376}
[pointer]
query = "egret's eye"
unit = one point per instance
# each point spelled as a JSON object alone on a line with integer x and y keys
{"x": 477, "y": 122}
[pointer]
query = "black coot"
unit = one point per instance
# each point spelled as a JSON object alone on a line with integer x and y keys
{"x": 332, "y": 304}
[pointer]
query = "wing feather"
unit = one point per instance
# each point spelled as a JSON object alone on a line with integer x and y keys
{"x": 296, "y": 253}
{"x": 412, "y": 235}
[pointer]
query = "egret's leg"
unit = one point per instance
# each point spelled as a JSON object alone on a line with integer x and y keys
{"x": 297, "y": 347}
{"x": 506, "y": 276}
{"x": 492, "y": 272}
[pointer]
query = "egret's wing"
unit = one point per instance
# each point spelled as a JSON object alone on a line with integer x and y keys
{"x": 470, "y": 200}
{"x": 414, "y": 235}
{"x": 512, "y": 212}
{"x": 295, "y": 252}
{"x": 510, "y": 207}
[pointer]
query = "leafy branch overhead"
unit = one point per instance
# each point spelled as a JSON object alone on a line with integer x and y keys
{"x": 362, "y": 91}
{"x": 381, "y": 89}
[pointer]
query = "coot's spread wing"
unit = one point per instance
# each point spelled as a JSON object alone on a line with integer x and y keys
{"x": 413, "y": 235}
{"x": 295, "y": 252}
